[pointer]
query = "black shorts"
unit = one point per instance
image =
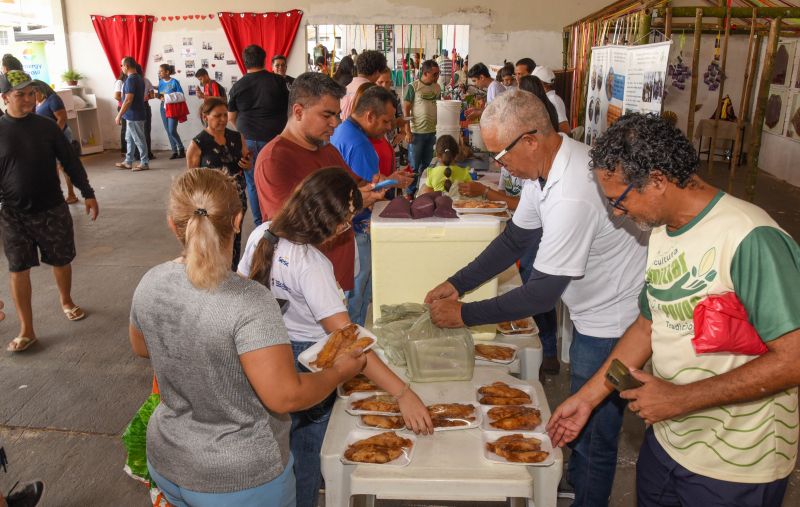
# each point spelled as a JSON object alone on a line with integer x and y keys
{"x": 26, "y": 234}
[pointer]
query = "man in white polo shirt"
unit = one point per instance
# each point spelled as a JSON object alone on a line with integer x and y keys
{"x": 547, "y": 77}
{"x": 590, "y": 260}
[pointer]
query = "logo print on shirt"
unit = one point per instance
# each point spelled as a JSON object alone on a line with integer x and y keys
{"x": 683, "y": 283}
{"x": 283, "y": 261}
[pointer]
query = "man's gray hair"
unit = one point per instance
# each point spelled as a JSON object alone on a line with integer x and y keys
{"x": 516, "y": 111}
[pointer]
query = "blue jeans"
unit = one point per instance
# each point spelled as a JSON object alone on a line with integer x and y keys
{"x": 305, "y": 440}
{"x": 171, "y": 126}
{"x": 255, "y": 148}
{"x": 663, "y": 482}
{"x": 134, "y": 137}
{"x": 279, "y": 492}
{"x": 360, "y": 297}
{"x": 594, "y": 453}
{"x": 547, "y": 322}
{"x": 420, "y": 154}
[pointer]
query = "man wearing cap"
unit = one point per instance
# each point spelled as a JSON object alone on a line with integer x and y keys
{"x": 34, "y": 218}
{"x": 547, "y": 77}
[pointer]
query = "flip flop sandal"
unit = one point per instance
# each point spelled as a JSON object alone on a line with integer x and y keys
{"x": 22, "y": 342}
{"x": 75, "y": 313}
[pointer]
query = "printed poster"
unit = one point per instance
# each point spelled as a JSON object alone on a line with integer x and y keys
{"x": 624, "y": 79}
{"x": 34, "y": 60}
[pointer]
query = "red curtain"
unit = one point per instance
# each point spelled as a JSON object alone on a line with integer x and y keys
{"x": 124, "y": 35}
{"x": 273, "y": 31}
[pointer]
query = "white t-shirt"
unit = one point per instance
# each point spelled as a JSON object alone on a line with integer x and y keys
{"x": 303, "y": 276}
{"x": 495, "y": 89}
{"x": 605, "y": 256}
{"x": 561, "y": 109}
{"x": 118, "y": 84}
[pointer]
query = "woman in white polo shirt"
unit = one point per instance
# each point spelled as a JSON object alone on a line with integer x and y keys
{"x": 284, "y": 256}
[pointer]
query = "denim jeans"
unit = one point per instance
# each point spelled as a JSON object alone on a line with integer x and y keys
{"x": 594, "y": 453}
{"x": 171, "y": 126}
{"x": 360, "y": 297}
{"x": 305, "y": 440}
{"x": 420, "y": 154}
{"x": 547, "y": 322}
{"x": 134, "y": 137}
{"x": 279, "y": 492}
{"x": 255, "y": 148}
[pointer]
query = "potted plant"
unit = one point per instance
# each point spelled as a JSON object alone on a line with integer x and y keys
{"x": 71, "y": 77}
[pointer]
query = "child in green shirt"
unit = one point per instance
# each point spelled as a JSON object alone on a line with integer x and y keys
{"x": 442, "y": 177}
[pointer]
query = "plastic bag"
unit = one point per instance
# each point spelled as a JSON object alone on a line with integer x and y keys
{"x": 721, "y": 325}
{"x": 392, "y": 327}
{"x": 437, "y": 354}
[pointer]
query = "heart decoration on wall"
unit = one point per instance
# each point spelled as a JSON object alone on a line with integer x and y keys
{"x": 191, "y": 16}
{"x": 163, "y": 18}
{"x": 213, "y": 65}
{"x": 203, "y": 16}
{"x": 185, "y": 18}
{"x": 170, "y": 18}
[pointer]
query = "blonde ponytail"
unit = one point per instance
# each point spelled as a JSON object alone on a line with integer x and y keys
{"x": 203, "y": 205}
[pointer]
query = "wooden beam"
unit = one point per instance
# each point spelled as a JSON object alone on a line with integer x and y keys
{"x": 738, "y": 12}
{"x": 753, "y": 53}
{"x": 668, "y": 24}
{"x": 721, "y": 95}
{"x": 698, "y": 20}
{"x": 761, "y": 110}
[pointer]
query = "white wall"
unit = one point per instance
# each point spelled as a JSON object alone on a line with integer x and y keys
{"x": 533, "y": 29}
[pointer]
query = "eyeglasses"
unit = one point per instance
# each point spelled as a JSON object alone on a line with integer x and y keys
{"x": 448, "y": 182}
{"x": 510, "y": 147}
{"x": 615, "y": 203}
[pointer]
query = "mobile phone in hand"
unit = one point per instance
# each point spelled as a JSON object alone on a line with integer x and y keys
{"x": 384, "y": 184}
{"x": 619, "y": 376}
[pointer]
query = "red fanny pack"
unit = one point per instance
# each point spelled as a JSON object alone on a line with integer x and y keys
{"x": 721, "y": 324}
{"x": 177, "y": 110}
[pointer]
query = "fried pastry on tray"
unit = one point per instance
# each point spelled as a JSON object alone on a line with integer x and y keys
{"x": 452, "y": 411}
{"x": 340, "y": 342}
{"x": 387, "y": 439}
{"x": 518, "y": 449}
{"x": 373, "y": 453}
{"x": 494, "y": 352}
{"x": 518, "y": 422}
{"x": 378, "y": 403}
{"x": 497, "y": 413}
{"x": 502, "y": 390}
{"x": 494, "y": 400}
{"x": 385, "y": 422}
{"x": 440, "y": 422}
{"x": 358, "y": 384}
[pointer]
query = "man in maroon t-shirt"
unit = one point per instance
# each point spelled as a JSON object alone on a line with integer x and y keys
{"x": 302, "y": 148}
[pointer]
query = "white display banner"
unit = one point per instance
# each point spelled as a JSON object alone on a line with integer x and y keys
{"x": 624, "y": 79}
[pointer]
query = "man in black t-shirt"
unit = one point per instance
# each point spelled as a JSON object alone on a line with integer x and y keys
{"x": 279, "y": 67}
{"x": 258, "y": 105}
{"x": 34, "y": 218}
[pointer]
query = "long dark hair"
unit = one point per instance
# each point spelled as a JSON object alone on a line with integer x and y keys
{"x": 169, "y": 68}
{"x": 534, "y": 85}
{"x": 324, "y": 200}
{"x": 446, "y": 149}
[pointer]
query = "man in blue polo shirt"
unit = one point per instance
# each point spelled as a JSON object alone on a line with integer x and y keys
{"x": 132, "y": 110}
{"x": 372, "y": 116}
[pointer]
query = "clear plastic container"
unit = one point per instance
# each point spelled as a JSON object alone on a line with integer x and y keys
{"x": 434, "y": 354}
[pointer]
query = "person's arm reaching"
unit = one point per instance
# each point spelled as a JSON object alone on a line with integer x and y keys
{"x": 478, "y": 189}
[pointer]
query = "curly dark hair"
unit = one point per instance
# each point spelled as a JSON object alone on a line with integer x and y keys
{"x": 642, "y": 143}
{"x": 370, "y": 62}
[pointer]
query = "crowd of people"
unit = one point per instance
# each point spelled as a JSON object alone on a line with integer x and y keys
{"x": 626, "y": 234}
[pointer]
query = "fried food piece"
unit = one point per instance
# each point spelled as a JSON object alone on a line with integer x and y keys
{"x": 378, "y": 403}
{"x": 494, "y": 400}
{"x": 516, "y": 327}
{"x": 518, "y": 449}
{"x": 502, "y": 412}
{"x": 503, "y": 390}
{"x": 479, "y": 204}
{"x": 452, "y": 411}
{"x": 519, "y": 422}
{"x": 339, "y": 342}
{"x": 440, "y": 422}
{"x": 361, "y": 343}
{"x": 385, "y": 422}
{"x": 494, "y": 352}
{"x": 357, "y": 384}
{"x": 377, "y": 454}
{"x": 387, "y": 439}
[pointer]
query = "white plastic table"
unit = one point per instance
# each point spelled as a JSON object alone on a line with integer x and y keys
{"x": 448, "y": 465}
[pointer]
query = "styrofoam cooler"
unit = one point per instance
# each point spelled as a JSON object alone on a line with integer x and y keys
{"x": 410, "y": 257}
{"x": 448, "y": 114}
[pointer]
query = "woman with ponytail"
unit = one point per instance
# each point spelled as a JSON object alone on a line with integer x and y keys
{"x": 284, "y": 256}
{"x": 221, "y": 355}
